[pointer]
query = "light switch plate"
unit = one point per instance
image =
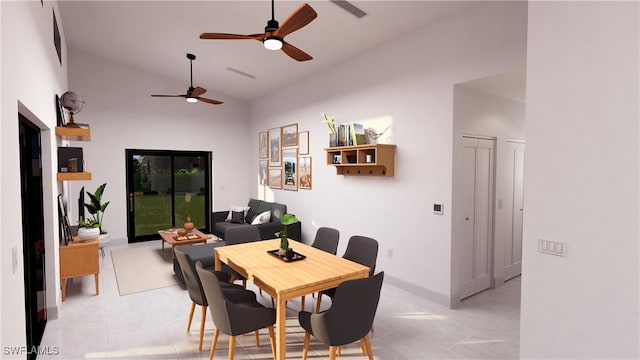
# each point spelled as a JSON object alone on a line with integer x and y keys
{"x": 14, "y": 259}
{"x": 557, "y": 248}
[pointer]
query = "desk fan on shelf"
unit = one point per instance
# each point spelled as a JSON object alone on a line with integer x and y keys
{"x": 72, "y": 104}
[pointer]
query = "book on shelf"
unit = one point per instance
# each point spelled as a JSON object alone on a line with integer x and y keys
{"x": 359, "y": 137}
{"x": 351, "y": 134}
{"x": 342, "y": 135}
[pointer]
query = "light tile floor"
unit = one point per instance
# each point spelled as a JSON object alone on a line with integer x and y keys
{"x": 152, "y": 325}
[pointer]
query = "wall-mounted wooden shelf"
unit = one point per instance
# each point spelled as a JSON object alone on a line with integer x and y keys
{"x": 74, "y": 176}
{"x": 352, "y": 160}
{"x": 73, "y": 133}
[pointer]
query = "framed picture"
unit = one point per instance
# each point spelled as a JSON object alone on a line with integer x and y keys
{"x": 290, "y": 160}
{"x": 290, "y": 135}
{"x": 275, "y": 147}
{"x": 65, "y": 229}
{"x": 262, "y": 172}
{"x": 262, "y": 145}
{"x": 275, "y": 178}
{"x": 303, "y": 143}
{"x": 59, "y": 112}
{"x": 304, "y": 172}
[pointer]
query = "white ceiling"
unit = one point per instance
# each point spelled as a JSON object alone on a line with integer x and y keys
{"x": 157, "y": 35}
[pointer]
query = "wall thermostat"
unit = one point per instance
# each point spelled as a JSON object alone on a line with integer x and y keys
{"x": 438, "y": 209}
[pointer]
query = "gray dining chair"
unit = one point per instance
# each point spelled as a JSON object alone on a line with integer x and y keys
{"x": 360, "y": 249}
{"x": 239, "y": 235}
{"x": 195, "y": 290}
{"x": 234, "y": 314}
{"x": 326, "y": 240}
{"x": 348, "y": 319}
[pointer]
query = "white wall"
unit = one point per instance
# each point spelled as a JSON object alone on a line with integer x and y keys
{"x": 582, "y": 181}
{"x": 411, "y": 80}
{"x": 481, "y": 114}
{"x": 122, "y": 115}
{"x": 31, "y": 75}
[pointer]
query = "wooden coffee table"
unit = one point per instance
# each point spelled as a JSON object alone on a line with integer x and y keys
{"x": 170, "y": 237}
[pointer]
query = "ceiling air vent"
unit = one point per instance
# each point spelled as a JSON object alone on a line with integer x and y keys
{"x": 350, "y": 8}
{"x": 241, "y": 72}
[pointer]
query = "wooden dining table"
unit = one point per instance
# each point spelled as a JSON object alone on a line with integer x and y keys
{"x": 287, "y": 280}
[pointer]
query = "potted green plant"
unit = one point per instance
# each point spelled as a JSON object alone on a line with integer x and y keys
{"x": 96, "y": 208}
{"x": 286, "y": 220}
{"x": 88, "y": 230}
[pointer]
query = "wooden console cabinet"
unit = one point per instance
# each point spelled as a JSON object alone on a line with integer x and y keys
{"x": 352, "y": 160}
{"x": 79, "y": 258}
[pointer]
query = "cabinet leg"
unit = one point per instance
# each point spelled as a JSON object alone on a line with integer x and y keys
{"x": 97, "y": 284}
{"x": 64, "y": 288}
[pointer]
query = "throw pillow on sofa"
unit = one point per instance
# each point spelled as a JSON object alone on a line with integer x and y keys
{"x": 237, "y": 217}
{"x": 233, "y": 208}
{"x": 262, "y": 218}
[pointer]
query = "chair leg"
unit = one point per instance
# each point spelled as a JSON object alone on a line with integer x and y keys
{"x": 318, "y": 302}
{"x": 232, "y": 346}
{"x": 367, "y": 344}
{"x": 302, "y": 303}
{"x": 203, "y": 317}
{"x": 272, "y": 340}
{"x": 332, "y": 352}
{"x": 257, "y": 338}
{"x": 305, "y": 349}
{"x": 214, "y": 341}
{"x": 193, "y": 307}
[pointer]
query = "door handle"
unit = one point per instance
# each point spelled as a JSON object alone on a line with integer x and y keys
{"x": 130, "y": 202}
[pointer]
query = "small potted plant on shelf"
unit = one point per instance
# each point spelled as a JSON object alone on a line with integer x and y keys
{"x": 96, "y": 208}
{"x": 287, "y": 219}
{"x": 331, "y": 124}
{"x": 89, "y": 230}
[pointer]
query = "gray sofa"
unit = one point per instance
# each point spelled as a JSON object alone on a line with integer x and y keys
{"x": 204, "y": 252}
{"x": 256, "y": 207}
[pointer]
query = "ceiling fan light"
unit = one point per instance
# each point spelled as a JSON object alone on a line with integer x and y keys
{"x": 192, "y": 99}
{"x": 273, "y": 43}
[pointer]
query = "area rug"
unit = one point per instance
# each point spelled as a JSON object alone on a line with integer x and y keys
{"x": 143, "y": 268}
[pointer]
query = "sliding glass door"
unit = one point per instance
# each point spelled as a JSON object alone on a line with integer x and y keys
{"x": 164, "y": 187}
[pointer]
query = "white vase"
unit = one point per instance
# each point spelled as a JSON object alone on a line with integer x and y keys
{"x": 88, "y": 233}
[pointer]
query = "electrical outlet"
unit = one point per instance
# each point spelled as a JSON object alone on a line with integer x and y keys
{"x": 390, "y": 253}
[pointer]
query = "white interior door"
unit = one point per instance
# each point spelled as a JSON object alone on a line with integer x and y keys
{"x": 514, "y": 200}
{"x": 477, "y": 232}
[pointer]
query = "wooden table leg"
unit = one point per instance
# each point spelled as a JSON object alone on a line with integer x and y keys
{"x": 281, "y": 328}
{"x": 217, "y": 262}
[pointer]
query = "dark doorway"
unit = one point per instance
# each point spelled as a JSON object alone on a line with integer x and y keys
{"x": 164, "y": 187}
{"x": 32, "y": 234}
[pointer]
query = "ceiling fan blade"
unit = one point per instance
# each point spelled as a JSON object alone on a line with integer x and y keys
{"x": 223, "y": 36}
{"x": 295, "y": 53}
{"x": 302, "y": 16}
{"x": 198, "y": 91}
{"x": 210, "y": 101}
{"x": 169, "y": 95}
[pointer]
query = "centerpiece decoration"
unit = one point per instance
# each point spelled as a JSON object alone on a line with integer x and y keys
{"x": 287, "y": 219}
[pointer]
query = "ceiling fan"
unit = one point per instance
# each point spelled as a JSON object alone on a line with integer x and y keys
{"x": 193, "y": 94}
{"x": 273, "y": 36}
